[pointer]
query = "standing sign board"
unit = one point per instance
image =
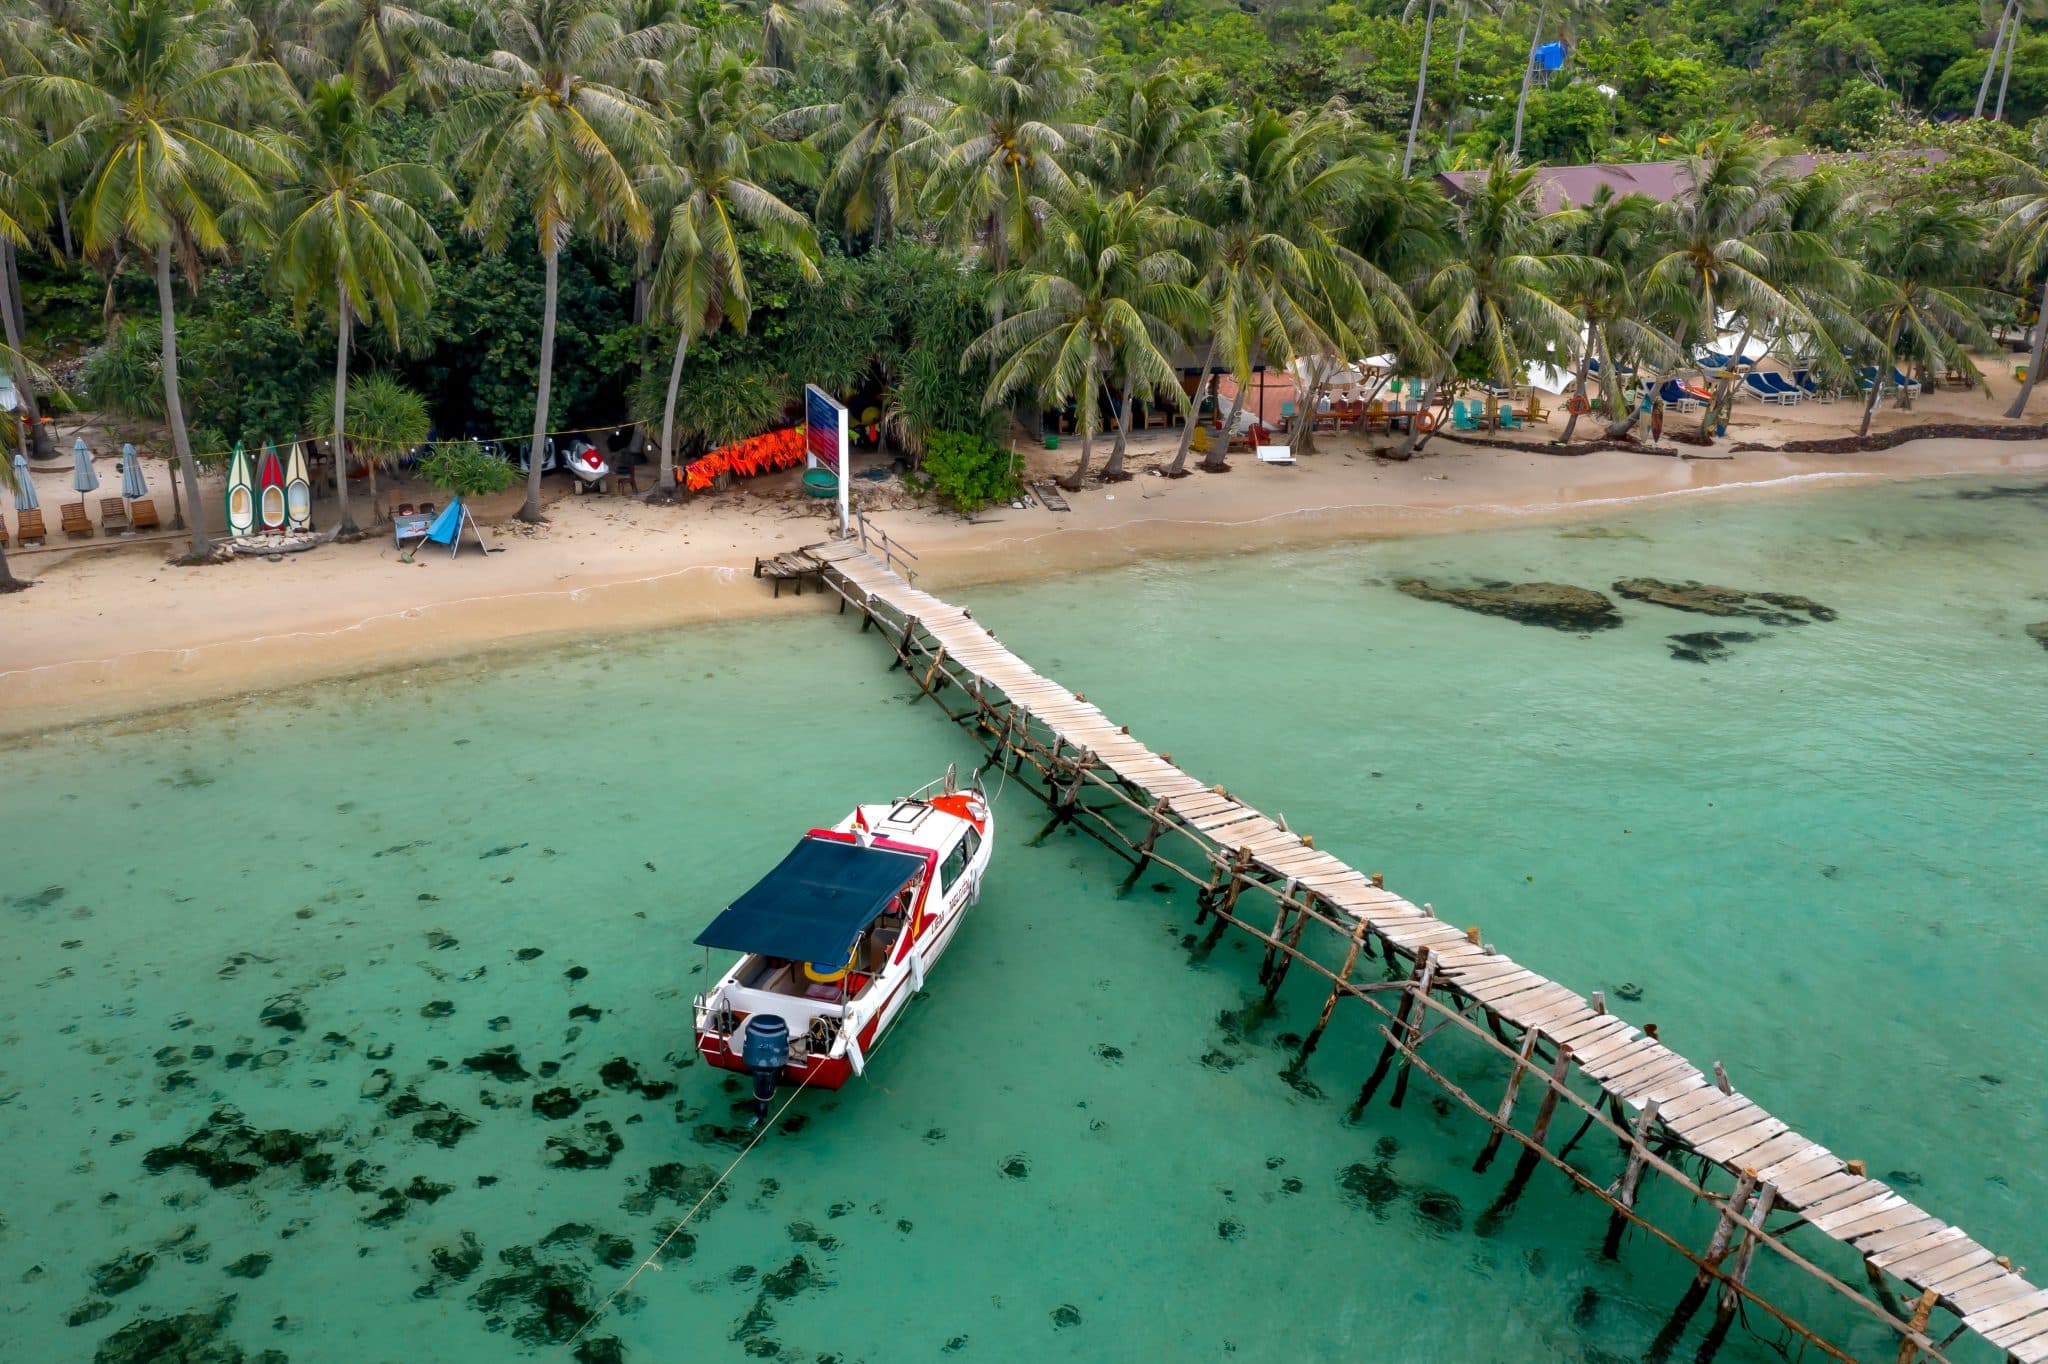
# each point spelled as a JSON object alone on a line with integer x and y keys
{"x": 825, "y": 441}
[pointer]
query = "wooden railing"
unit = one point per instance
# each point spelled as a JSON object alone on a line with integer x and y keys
{"x": 873, "y": 539}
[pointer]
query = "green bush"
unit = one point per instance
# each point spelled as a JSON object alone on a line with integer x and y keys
{"x": 464, "y": 468}
{"x": 968, "y": 471}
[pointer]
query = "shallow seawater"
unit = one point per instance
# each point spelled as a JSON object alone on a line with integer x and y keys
{"x": 1817, "y": 857}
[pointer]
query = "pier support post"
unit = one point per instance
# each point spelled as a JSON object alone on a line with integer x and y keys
{"x": 1397, "y": 1029}
{"x": 1413, "y": 1037}
{"x": 1724, "y": 1310}
{"x": 1631, "y": 1178}
{"x": 1239, "y": 865}
{"x": 1909, "y": 1348}
{"x": 1717, "y": 1251}
{"x": 1285, "y": 902}
{"x": 903, "y": 645}
{"x": 938, "y": 661}
{"x": 1337, "y": 988}
{"x": 1505, "y": 1116}
{"x": 1155, "y": 822}
{"x": 1301, "y": 916}
{"x": 1560, "y": 1077}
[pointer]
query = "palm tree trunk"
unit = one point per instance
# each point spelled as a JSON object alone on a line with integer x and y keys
{"x": 1891, "y": 341}
{"x": 2019, "y": 403}
{"x": 347, "y": 526}
{"x": 1416, "y": 435}
{"x": 1218, "y": 457}
{"x": 1724, "y": 385}
{"x": 174, "y": 405}
{"x": 530, "y": 510}
{"x": 1571, "y": 421}
{"x": 1991, "y": 62}
{"x": 1187, "y": 427}
{"x": 1421, "y": 80}
{"x": 38, "y": 441}
{"x": 1115, "y": 468}
{"x": 2012, "y": 44}
{"x": 664, "y": 482}
{"x": 8, "y": 582}
{"x": 1528, "y": 75}
{"x": 1464, "y": 20}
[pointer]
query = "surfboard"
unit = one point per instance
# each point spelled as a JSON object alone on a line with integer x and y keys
{"x": 241, "y": 494}
{"x": 270, "y": 485}
{"x": 298, "y": 490}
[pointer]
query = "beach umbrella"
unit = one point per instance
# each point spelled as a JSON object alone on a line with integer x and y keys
{"x": 82, "y": 476}
{"x": 133, "y": 486}
{"x": 24, "y": 486}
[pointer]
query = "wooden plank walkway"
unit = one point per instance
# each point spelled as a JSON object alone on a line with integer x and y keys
{"x": 1831, "y": 1195}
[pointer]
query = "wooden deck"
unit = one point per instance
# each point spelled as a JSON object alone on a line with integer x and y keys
{"x": 1788, "y": 1172}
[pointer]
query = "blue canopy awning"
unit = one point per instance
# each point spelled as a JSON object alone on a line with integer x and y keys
{"x": 815, "y": 903}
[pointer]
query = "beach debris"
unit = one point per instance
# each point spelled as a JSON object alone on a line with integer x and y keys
{"x": 1559, "y": 606}
{"x": 227, "y": 1151}
{"x": 1708, "y": 646}
{"x": 1772, "y": 608}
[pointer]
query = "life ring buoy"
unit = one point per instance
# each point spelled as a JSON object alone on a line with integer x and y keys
{"x": 812, "y": 973}
{"x": 1577, "y": 405}
{"x": 1425, "y": 422}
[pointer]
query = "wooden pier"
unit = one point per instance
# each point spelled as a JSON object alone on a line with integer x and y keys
{"x": 1257, "y": 876}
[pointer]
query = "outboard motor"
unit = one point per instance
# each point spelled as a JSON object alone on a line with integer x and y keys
{"x": 764, "y": 1046}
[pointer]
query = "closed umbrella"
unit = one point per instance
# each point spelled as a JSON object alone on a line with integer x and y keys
{"x": 24, "y": 486}
{"x": 133, "y": 486}
{"x": 82, "y": 476}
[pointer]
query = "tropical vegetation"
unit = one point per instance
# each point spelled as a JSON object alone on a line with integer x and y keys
{"x": 526, "y": 217}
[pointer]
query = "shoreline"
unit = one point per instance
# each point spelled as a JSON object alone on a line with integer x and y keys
{"x": 117, "y": 637}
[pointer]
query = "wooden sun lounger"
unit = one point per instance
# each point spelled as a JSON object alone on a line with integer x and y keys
{"x": 143, "y": 515}
{"x": 31, "y": 528}
{"x": 77, "y": 524}
{"x": 113, "y": 515}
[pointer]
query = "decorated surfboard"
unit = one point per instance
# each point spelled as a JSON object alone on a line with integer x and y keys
{"x": 298, "y": 490}
{"x": 241, "y": 494}
{"x": 270, "y": 491}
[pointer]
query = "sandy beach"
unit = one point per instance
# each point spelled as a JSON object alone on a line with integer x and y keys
{"x": 112, "y": 629}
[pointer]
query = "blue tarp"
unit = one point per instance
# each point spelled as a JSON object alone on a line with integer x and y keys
{"x": 447, "y": 525}
{"x": 815, "y": 903}
{"x": 1550, "y": 57}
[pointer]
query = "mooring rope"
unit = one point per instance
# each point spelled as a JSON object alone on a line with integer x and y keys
{"x": 655, "y": 1254}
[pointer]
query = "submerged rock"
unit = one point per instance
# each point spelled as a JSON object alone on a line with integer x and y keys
{"x": 1773, "y": 608}
{"x": 501, "y": 1062}
{"x": 227, "y": 1151}
{"x": 193, "y": 1338}
{"x": 674, "y": 1182}
{"x": 592, "y": 1148}
{"x": 556, "y": 1104}
{"x": 122, "y": 1273}
{"x": 545, "y": 1301}
{"x": 2039, "y": 633}
{"x": 250, "y": 1266}
{"x": 1710, "y": 646}
{"x": 1557, "y": 605}
{"x": 284, "y": 1011}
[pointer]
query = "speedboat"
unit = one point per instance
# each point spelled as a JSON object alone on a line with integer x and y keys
{"x": 836, "y": 939}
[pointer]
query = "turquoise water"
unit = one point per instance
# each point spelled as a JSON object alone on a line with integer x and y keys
{"x": 1818, "y": 858}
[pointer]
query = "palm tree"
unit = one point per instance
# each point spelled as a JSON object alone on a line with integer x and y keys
{"x": 879, "y": 134}
{"x": 380, "y": 42}
{"x": 2022, "y": 239}
{"x": 157, "y": 167}
{"x": 1728, "y": 247}
{"x": 24, "y": 210}
{"x": 1271, "y": 266}
{"x": 1007, "y": 137}
{"x": 717, "y": 155}
{"x": 1497, "y": 296}
{"x": 352, "y": 240}
{"x": 786, "y": 23}
{"x": 1618, "y": 233}
{"x": 1151, "y": 135}
{"x": 535, "y": 120}
{"x": 1105, "y": 295}
{"x": 281, "y": 31}
{"x": 1920, "y": 301}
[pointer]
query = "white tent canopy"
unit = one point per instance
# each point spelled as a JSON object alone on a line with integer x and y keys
{"x": 1549, "y": 378}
